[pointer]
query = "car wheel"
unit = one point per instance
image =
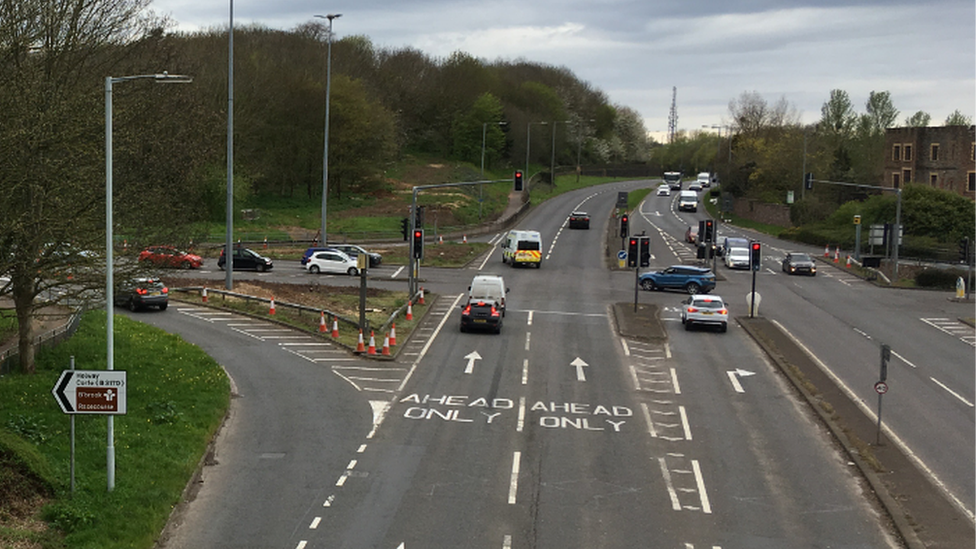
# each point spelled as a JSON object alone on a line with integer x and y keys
{"x": 185, "y": 265}
{"x": 687, "y": 326}
{"x": 163, "y": 306}
{"x": 498, "y": 329}
{"x": 353, "y": 271}
{"x": 314, "y": 269}
{"x": 724, "y": 328}
{"x": 133, "y": 306}
{"x": 260, "y": 268}
{"x": 693, "y": 288}
{"x": 647, "y": 285}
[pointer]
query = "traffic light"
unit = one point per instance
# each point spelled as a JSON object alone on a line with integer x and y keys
{"x": 405, "y": 228}
{"x": 518, "y": 180}
{"x": 964, "y": 250}
{"x": 418, "y": 243}
{"x": 709, "y": 230}
{"x": 645, "y": 251}
{"x": 755, "y": 255}
{"x": 808, "y": 181}
{"x": 623, "y": 226}
{"x": 632, "y": 252}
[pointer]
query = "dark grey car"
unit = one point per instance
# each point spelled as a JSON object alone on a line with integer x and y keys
{"x": 799, "y": 263}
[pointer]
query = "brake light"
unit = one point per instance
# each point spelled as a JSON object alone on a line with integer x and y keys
{"x": 467, "y": 310}
{"x": 494, "y": 311}
{"x": 692, "y": 309}
{"x": 142, "y": 291}
{"x": 723, "y": 311}
{"x": 165, "y": 290}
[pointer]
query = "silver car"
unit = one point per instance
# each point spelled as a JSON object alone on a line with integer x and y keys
{"x": 705, "y": 310}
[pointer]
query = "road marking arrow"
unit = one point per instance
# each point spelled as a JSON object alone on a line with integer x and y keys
{"x": 472, "y": 356}
{"x": 735, "y": 380}
{"x": 580, "y": 376}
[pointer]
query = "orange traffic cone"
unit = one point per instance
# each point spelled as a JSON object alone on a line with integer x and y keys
{"x": 371, "y": 350}
{"x": 265, "y": 243}
{"x": 204, "y": 295}
{"x": 335, "y": 326}
{"x": 848, "y": 261}
{"x": 409, "y": 311}
{"x": 465, "y": 239}
{"x": 421, "y": 300}
{"x": 827, "y": 250}
{"x": 440, "y": 239}
{"x": 386, "y": 345}
{"x": 837, "y": 255}
{"x": 359, "y": 346}
{"x": 393, "y": 334}
{"x": 272, "y": 311}
{"x": 322, "y": 327}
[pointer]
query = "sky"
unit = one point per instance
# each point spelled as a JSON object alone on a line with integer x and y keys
{"x": 639, "y": 51}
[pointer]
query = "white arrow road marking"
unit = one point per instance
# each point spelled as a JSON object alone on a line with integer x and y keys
{"x": 735, "y": 381}
{"x": 580, "y": 376}
{"x": 472, "y": 356}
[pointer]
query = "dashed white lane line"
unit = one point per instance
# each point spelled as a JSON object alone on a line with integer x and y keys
{"x": 513, "y": 485}
{"x": 951, "y": 392}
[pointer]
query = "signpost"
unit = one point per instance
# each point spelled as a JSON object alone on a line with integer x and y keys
{"x": 881, "y": 387}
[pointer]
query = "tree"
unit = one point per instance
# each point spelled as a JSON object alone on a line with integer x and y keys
{"x": 920, "y": 119}
{"x": 881, "y": 113}
{"x": 958, "y": 119}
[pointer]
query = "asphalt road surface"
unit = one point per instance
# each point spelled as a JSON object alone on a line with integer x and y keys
{"x": 558, "y": 432}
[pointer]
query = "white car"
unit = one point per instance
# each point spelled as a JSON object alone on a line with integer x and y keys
{"x": 664, "y": 190}
{"x": 705, "y": 310}
{"x": 332, "y": 261}
{"x": 737, "y": 258}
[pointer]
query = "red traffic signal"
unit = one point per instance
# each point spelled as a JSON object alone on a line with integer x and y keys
{"x": 623, "y": 226}
{"x": 755, "y": 255}
{"x": 518, "y": 180}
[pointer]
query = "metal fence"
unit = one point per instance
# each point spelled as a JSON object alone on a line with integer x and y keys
{"x": 50, "y": 338}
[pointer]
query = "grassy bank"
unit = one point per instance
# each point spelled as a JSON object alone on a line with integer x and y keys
{"x": 177, "y": 397}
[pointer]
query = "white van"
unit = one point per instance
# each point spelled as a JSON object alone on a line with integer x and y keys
{"x": 522, "y": 248}
{"x": 704, "y": 179}
{"x": 688, "y": 201}
{"x": 488, "y": 288}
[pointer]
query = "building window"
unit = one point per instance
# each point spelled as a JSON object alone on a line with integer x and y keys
{"x": 896, "y": 152}
{"x": 935, "y": 152}
{"x": 934, "y": 179}
{"x": 895, "y": 180}
{"x": 972, "y": 182}
{"x": 908, "y": 153}
{"x": 906, "y": 176}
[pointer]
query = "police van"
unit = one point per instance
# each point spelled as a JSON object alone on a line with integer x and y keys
{"x": 522, "y": 248}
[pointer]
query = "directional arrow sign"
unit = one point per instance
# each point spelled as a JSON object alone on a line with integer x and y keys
{"x": 91, "y": 392}
{"x": 472, "y": 356}
{"x": 580, "y": 376}
{"x": 735, "y": 381}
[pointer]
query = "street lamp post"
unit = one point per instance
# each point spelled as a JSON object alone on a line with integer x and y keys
{"x": 109, "y": 260}
{"x": 552, "y": 161}
{"x": 229, "y": 214}
{"x": 325, "y": 154}
{"x": 579, "y": 146}
{"x": 528, "y": 145}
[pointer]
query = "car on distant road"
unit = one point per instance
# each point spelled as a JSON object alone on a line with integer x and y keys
{"x": 579, "y": 220}
{"x": 169, "y": 256}
{"x": 695, "y": 186}
{"x": 308, "y": 252}
{"x": 245, "y": 258}
{"x": 693, "y": 280}
{"x": 705, "y": 310}
{"x": 799, "y": 263}
{"x": 332, "y": 261}
{"x": 354, "y": 251}
{"x": 664, "y": 190}
{"x": 673, "y": 179}
{"x": 141, "y": 293}
{"x": 737, "y": 258}
{"x": 688, "y": 201}
{"x": 704, "y": 179}
{"x": 730, "y": 242}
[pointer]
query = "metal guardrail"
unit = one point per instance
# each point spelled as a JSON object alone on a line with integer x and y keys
{"x": 49, "y": 338}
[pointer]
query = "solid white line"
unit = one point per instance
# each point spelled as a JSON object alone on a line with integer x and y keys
{"x": 735, "y": 382}
{"x": 674, "y": 381}
{"x": 647, "y": 417}
{"x": 426, "y": 347}
{"x": 887, "y": 430}
{"x": 626, "y": 347}
{"x": 951, "y": 392}
{"x": 675, "y": 504}
{"x": 706, "y": 507}
{"x": 397, "y": 272}
{"x": 513, "y": 486}
{"x": 684, "y": 422}
{"x": 903, "y": 359}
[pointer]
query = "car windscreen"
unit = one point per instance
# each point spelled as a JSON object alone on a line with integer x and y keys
{"x": 798, "y": 258}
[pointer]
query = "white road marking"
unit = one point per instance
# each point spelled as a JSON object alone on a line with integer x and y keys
{"x": 398, "y": 271}
{"x": 521, "y": 415}
{"x": 706, "y": 506}
{"x": 507, "y": 542}
{"x": 674, "y": 381}
{"x": 528, "y": 338}
{"x": 529, "y": 323}
{"x": 675, "y": 504}
{"x": 647, "y": 417}
{"x": 315, "y": 523}
{"x": 513, "y": 486}
{"x": 525, "y": 371}
{"x": 735, "y": 382}
{"x": 684, "y": 422}
{"x": 951, "y": 392}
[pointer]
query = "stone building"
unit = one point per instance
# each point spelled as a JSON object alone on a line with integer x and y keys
{"x": 943, "y": 157}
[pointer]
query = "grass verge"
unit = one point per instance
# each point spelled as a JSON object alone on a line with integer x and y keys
{"x": 177, "y": 398}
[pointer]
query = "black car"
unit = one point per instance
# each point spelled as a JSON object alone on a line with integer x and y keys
{"x": 799, "y": 263}
{"x": 141, "y": 293}
{"x": 353, "y": 251}
{"x": 247, "y": 259}
{"x": 481, "y": 315}
{"x": 579, "y": 220}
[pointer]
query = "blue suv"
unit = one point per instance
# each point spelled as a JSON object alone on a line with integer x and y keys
{"x": 693, "y": 280}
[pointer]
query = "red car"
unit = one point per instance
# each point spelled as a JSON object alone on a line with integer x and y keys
{"x": 168, "y": 256}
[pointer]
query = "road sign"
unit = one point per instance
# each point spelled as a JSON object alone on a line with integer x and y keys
{"x": 91, "y": 392}
{"x": 622, "y": 258}
{"x": 881, "y": 387}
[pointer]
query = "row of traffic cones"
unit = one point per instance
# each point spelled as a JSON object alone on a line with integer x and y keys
{"x": 464, "y": 239}
{"x": 388, "y": 341}
{"x": 837, "y": 255}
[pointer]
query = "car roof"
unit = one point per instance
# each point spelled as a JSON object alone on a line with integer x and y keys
{"x": 707, "y": 297}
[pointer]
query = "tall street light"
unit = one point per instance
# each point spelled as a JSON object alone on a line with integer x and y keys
{"x": 552, "y": 162}
{"x": 109, "y": 278}
{"x": 229, "y": 215}
{"x": 579, "y": 146}
{"x": 528, "y": 145}
{"x": 325, "y": 155}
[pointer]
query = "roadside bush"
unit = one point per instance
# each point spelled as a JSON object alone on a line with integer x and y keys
{"x": 938, "y": 278}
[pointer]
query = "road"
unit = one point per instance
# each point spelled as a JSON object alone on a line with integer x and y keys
{"x": 555, "y": 433}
